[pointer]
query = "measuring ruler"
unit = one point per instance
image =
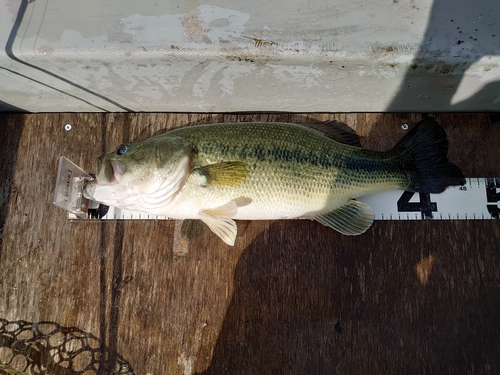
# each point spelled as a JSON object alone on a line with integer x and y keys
{"x": 477, "y": 199}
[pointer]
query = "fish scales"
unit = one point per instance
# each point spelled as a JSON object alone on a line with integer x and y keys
{"x": 311, "y": 149}
{"x": 220, "y": 172}
{"x": 294, "y": 170}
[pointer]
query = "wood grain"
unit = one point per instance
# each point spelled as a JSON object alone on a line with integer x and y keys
{"x": 292, "y": 297}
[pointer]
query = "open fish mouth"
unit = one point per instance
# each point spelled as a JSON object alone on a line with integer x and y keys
{"x": 109, "y": 172}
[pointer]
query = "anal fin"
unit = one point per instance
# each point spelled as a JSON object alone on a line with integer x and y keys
{"x": 351, "y": 219}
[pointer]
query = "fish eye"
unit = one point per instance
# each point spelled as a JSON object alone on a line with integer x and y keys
{"x": 122, "y": 149}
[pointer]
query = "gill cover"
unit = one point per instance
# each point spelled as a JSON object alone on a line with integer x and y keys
{"x": 142, "y": 175}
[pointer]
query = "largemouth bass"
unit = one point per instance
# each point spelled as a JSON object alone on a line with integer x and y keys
{"x": 219, "y": 173}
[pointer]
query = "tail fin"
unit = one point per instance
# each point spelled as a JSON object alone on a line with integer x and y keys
{"x": 424, "y": 150}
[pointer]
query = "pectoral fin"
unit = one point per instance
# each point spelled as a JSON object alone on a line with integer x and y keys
{"x": 219, "y": 220}
{"x": 353, "y": 218}
{"x": 230, "y": 173}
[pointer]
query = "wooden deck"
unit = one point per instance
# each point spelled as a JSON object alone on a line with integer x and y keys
{"x": 292, "y": 297}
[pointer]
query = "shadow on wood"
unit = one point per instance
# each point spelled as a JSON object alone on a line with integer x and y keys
{"x": 13, "y": 126}
{"x": 412, "y": 303}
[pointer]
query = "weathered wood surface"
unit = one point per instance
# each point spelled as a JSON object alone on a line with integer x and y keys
{"x": 292, "y": 297}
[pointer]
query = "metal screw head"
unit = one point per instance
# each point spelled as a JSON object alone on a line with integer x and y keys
{"x": 67, "y": 127}
{"x": 404, "y": 126}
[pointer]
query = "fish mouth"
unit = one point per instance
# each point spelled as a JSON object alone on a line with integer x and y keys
{"x": 109, "y": 172}
{"x": 89, "y": 189}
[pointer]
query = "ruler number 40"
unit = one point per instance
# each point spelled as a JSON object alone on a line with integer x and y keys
{"x": 424, "y": 206}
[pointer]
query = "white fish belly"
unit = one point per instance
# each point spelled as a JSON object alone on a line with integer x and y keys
{"x": 256, "y": 211}
{"x": 253, "y": 204}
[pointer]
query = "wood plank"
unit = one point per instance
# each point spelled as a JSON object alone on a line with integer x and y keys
{"x": 409, "y": 297}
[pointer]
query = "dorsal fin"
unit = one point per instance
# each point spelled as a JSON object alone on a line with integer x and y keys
{"x": 336, "y": 130}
